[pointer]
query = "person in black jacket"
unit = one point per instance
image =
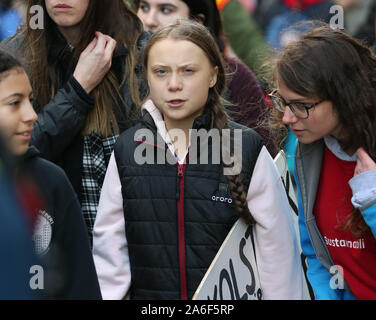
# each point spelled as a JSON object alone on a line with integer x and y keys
{"x": 60, "y": 238}
{"x": 83, "y": 69}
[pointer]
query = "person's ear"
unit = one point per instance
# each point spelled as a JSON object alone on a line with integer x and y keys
{"x": 213, "y": 79}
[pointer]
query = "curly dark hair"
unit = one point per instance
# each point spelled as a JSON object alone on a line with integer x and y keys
{"x": 328, "y": 64}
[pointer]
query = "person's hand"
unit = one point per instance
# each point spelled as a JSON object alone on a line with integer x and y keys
{"x": 95, "y": 61}
{"x": 364, "y": 162}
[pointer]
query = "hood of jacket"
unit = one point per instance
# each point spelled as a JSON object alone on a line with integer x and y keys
{"x": 31, "y": 153}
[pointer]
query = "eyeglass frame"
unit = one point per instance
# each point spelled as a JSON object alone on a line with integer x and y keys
{"x": 276, "y": 105}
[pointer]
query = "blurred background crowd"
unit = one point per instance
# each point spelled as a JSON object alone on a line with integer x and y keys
{"x": 253, "y": 27}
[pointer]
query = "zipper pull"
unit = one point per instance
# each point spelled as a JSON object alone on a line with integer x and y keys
{"x": 180, "y": 170}
{"x": 180, "y": 175}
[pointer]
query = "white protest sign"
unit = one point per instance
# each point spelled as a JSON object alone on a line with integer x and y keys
{"x": 233, "y": 274}
{"x": 281, "y": 164}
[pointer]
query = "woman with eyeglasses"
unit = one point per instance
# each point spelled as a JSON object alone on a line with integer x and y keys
{"x": 326, "y": 92}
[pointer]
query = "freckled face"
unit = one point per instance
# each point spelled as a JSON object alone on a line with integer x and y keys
{"x": 180, "y": 76}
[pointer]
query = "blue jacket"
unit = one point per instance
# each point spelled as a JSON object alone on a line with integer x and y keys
{"x": 16, "y": 250}
{"x": 307, "y": 174}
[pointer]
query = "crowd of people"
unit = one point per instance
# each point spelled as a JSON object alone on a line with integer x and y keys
{"x": 106, "y": 185}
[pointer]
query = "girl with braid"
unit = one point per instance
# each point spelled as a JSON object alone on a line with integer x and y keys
{"x": 165, "y": 208}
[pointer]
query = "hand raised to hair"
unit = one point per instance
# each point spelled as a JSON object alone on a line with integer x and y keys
{"x": 95, "y": 62}
{"x": 364, "y": 162}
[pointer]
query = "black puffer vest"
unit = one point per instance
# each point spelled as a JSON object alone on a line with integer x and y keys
{"x": 176, "y": 216}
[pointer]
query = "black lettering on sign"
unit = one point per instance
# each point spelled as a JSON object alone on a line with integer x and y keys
{"x": 250, "y": 288}
{"x": 230, "y": 277}
{"x": 225, "y": 276}
{"x": 286, "y": 184}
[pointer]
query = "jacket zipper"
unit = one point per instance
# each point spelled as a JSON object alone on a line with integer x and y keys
{"x": 181, "y": 236}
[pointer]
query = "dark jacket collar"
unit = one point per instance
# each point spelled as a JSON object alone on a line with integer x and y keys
{"x": 60, "y": 47}
{"x": 32, "y": 152}
{"x": 21, "y": 162}
{"x": 203, "y": 121}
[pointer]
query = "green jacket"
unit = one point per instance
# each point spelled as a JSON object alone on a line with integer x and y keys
{"x": 245, "y": 36}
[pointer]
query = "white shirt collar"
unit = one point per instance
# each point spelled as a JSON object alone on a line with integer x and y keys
{"x": 334, "y": 146}
{"x": 150, "y": 107}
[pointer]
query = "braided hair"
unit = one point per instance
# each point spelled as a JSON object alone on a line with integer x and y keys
{"x": 199, "y": 35}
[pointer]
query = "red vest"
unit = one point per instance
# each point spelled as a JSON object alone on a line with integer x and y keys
{"x": 357, "y": 257}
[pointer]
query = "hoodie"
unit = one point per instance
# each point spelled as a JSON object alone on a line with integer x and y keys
{"x": 60, "y": 237}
